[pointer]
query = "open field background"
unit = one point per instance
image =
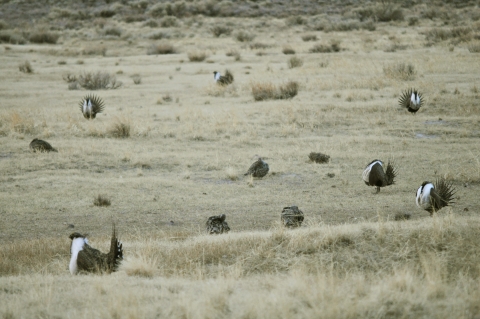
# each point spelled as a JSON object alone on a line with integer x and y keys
{"x": 190, "y": 143}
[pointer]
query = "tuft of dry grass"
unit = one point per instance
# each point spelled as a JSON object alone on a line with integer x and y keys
{"x": 102, "y": 201}
{"x": 197, "y": 56}
{"x": 43, "y": 36}
{"x": 231, "y": 173}
{"x": 400, "y": 71}
{"x": 25, "y": 67}
{"x": 288, "y": 50}
{"x": 162, "y": 48}
{"x": 234, "y": 53}
{"x": 140, "y": 266}
{"x": 95, "y": 50}
{"x": 294, "y": 62}
{"x": 96, "y": 81}
{"x": 120, "y": 128}
{"x": 474, "y": 47}
{"x": 268, "y": 91}
{"x": 218, "y": 30}
{"x": 17, "y": 122}
{"x": 323, "y": 48}
{"x": 243, "y": 36}
{"x": 309, "y": 37}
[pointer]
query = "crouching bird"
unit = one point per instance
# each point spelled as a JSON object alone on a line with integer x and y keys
{"x": 433, "y": 197}
{"x": 91, "y": 105}
{"x": 258, "y": 168}
{"x": 41, "y": 146}
{"x": 292, "y": 217}
{"x": 86, "y": 258}
{"x": 412, "y": 100}
{"x": 223, "y": 79}
{"x": 374, "y": 174}
{"x": 217, "y": 224}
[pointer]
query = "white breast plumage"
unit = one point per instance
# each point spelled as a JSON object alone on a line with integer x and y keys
{"x": 77, "y": 246}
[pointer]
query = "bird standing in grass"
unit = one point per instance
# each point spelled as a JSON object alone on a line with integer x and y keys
{"x": 91, "y": 105}
{"x": 258, "y": 169}
{"x": 374, "y": 174}
{"x": 292, "y": 217}
{"x": 223, "y": 79}
{"x": 217, "y": 225}
{"x": 41, "y": 146}
{"x": 433, "y": 197}
{"x": 86, "y": 258}
{"x": 412, "y": 100}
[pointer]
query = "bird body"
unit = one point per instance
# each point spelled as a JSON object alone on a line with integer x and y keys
{"x": 91, "y": 105}
{"x": 292, "y": 217}
{"x": 432, "y": 197}
{"x": 319, "y": 157}
{"x": 41, "y": 146}
{"x": 217, "y": 224}
{"x": 223, "y": 79}
{"x": 258, "y": 168}
{"x": 412, "y": 100}
{"x": 86, "y": 258}
{"x": 374, "y": 174}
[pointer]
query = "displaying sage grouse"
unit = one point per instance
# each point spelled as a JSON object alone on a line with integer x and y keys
{"x": 223, "y": 79}
{"x": 86, "y": 258}
{"x": 433, "y": 197}
{"x": 217, "y": 225}
{"x": 258, "y": 169}
{"x": 412, "y": 100}
{"x": 292, "y": 217}
{"x": 374, "y": 174}
{"x": 41, "y": 146}
{"x": 319, "y": 157}
{"x": 91, "y": 105}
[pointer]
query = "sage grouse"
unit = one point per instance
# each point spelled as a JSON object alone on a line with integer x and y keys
{"x": 223, "y": 79}
{"x": 412, "y": 100}
{"x": 217, "y": 225}
{"x": 86, "y": 258}
{"x": 374, "y": 175}
{"x": 258, "y": 169}
{"x": 292, "y": 217}
{"x": 41, "y": 146}
{"x": 433, "y": 197}
{"x": 91, "y": 105}
{"x": 319, "y": 157}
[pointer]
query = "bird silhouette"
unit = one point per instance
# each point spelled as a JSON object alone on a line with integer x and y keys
{"x": 292, "y": 217}
{"x": 258, "y": 168}
{"x": 223, "y": 79}
{"x": 41, "y": 146}
{"x": 217, "y": 224}
{"x": 374, "y": 174}
{"x": 432, "y": 197}
{"x": 90, "y": 105}
{"x": 412, "y": 100}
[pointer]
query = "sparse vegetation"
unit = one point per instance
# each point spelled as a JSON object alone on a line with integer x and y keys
{"x": 95, "y": 80}
{"x": 219, "y": 30}
{"x": 309, "y": 37}
{"x": 197, "y": 56}
{"x": 288, "y": 50}
{"x": 243, "y": 36}
{"x": 121, "y": 128}
{"x": 43, "y": 37}
{"x": 137, "y": 79}
{"x": 25, "y": 67}
{"x": 234, "y": 53}
{"x": 102, "y": 200}
{"x": 323, "y": 48}
{"x": 400, "y": 71}
{"x": 474, "y": 47}
{"x": 162, "y": 48}
{"x": 294, "y": 62}
{"x": 268, "y": 91}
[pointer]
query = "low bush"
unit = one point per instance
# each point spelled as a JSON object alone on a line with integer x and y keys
{"x": 43, "y": 37}
{"x": 219, "y": 30}
{"x": 400, "y": 71}
{"x": 243, "y": 36}
{"x": 197, "y": 56}
{"x": 162, "y": 48}
{"x": 25, "y": 67}
{"x": 98, "y": 81}
{"x": 268, "y": 91}
{"x": 294, "y": 62}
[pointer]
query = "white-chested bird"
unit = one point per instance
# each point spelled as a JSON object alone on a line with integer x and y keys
{"x": 412, "y": 100}
{"x": 86, "y": 258}
{"x": 91, "y": 105}
{"x": 259, "y": 168}
{"x": 433, "y": 197}
{"x": 375, "y": 175}
{"x": 223, "y": 79}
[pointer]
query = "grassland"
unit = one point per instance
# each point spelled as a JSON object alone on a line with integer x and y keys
{"x": 190, "y": 141}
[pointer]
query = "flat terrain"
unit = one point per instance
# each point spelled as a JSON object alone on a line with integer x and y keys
{"x": 189, "y": 145}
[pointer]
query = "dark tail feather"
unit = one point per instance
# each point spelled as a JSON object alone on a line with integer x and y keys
{"x": 116, "y": 251}
{"x": 391, "y": 172}
{"x": 446, "y": 191}
{"x": 228, "y": 76}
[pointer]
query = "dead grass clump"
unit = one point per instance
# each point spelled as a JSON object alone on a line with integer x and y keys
{"x": 169, "y": 22}
{"x": 11, "y": 38}
{"x": 319, "y": 157}
{"x": 294, "y": 62}
{"x": 197, "y": 56}
{"x": 474, "y": 47}
{"x": 113, "y": 31}
{"x": 288, "y": 50}
{"x": 120, "y": 128}
{"x": 137, "y": 79}
{"x": 259, "y": 45}
{"x": 323, "y": 48}
{"x": 25, "y": 67}
{"x": 268, "y": 91}
{"x": 159, "y": 36}
{"x": 384, "y": 12}
{"x": 243, "y": 36}
{"x": 218, "y": 30}
{"x": 162, "y": 48}
{"x": 17, "y": 122}
{"x": 309, "y": 37}
{"x": 102, "y": 201}
{"x": 234, "y": 53}
{"x": 43, "y": 37}
{"x": 400, "y": 71}
{"x": 295, "y": 20}
{"x": 139, "y": 265}
{"x": 98, "y": 81}
{"x": 95, "y": 50}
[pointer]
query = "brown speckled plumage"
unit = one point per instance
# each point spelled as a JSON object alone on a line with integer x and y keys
{"x": 41, "y": 146}
{"x": 292, "y": 217}
{"x": 217, "y": 224}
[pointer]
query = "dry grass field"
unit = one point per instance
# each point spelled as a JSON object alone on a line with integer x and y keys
{"x": 171, "y": 149}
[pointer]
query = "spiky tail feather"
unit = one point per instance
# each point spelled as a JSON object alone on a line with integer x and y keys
{"x": 391, "y": 172}
{"x": 228, "y": 76}
{"x": 446, "y": 191}
{"x": 115, "y": 255}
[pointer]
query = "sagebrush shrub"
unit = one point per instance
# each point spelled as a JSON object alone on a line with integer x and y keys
{"x": 98, "y": 81}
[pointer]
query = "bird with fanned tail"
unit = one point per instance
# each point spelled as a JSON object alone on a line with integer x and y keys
{"x": 432, "y": 197}
{"x": 217, "y": 224}
{"x": 41, "y": 146}
{"x": 84, "y": 258}
{"x": 259, "y": 168}
{"x": 90, "y": 105}
{"x": 412, "y": 100}
{"x": 223, "y": 79}
{"x": 375, "y": 175}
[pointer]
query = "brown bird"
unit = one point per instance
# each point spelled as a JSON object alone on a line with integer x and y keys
{"x": 374, "y": 175}
{"x": 433, "y": 197}
{"x": 292, "y": 217}
{"x": 258, "y": 169}
{"x": 86, "y": 258}
{"x": 217, "y": 224}
{"x": 91, "y": 105}
{"x": 41, "y": 146}
{"x": 319, "y": 157}
{"x": 412, "y": 100}
{"x": 223, "y": 79}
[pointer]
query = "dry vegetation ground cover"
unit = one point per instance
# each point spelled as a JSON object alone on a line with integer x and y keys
{"x": 171, "y": 148}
